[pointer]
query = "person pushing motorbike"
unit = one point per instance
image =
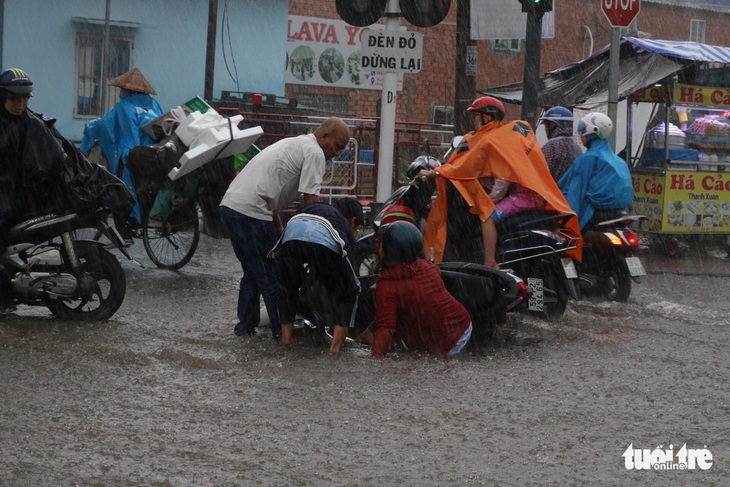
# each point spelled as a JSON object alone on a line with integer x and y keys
{"x": 412, "y": 304}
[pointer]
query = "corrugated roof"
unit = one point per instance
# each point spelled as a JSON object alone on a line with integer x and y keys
{"x": 712, "y": 5}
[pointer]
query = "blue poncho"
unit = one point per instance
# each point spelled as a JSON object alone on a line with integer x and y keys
{"x": 120, "y": 130}
{"x": 598, "y": 179}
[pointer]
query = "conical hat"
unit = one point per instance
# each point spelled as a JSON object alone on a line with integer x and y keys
{"x": 133, "y": 80}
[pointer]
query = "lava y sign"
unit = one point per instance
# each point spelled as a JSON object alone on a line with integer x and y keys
{"x": 620, "y": 13}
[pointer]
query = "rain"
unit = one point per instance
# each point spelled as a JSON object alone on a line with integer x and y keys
{"x": 164, "y": 394}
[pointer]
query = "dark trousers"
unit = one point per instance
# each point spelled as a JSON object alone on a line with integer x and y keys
{"x": 325, "y": 268}
{"x": 252, "y": 240}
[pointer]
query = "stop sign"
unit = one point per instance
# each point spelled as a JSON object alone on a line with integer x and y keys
{"x": 620, "y": 13}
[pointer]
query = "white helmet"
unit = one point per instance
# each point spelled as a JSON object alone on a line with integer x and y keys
{"x": 596, "y": 123}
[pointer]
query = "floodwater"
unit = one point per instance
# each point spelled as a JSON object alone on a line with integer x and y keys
{"x": 164, "y": 394}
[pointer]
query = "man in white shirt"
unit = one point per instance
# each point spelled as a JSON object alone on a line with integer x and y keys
{"x": 270, "y": 182}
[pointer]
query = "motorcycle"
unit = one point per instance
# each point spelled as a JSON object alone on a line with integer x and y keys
{"x": 609, "y": 264}
{"x": 488, "y": 294}
{"x": 532, "y": 245}
{"x": 45, "y": 265}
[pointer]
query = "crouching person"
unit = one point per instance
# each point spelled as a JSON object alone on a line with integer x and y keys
{"x": 320, "y": 236}
{"x": 412, "y": 304}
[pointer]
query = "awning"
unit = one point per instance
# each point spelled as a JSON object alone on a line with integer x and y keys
{"x": 642, "y": 63}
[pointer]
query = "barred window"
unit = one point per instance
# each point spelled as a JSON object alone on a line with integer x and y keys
{"x": 88, "y": 72}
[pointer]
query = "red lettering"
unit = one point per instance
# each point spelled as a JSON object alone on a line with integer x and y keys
{"x": 686, "y": 94}
{"x": 331, "y": 36}
{"x": 708, "y": 183}
{"x": 351, "y": 33}
{"x": 304, "y": 33}
{"x": 290, "y": 34}
{"x": 716, "y": 97}
{"x": 679, "y": 181}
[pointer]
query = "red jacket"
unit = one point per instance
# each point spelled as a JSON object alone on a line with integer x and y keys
{"x": 412, "y": 304}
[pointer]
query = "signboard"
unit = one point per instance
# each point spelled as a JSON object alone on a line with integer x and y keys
{"x": 706, "y": 96}
{"x": 683, "y": 202}
{"x": 471, "y": 61}
{"x": 620, "y": 13}
{"x": 504, "y": 19}
{"x": 392, "y": 51}
{"x": 326, "y": 52}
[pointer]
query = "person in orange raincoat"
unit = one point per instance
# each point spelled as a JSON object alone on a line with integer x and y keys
{"x": 499, "y": 150}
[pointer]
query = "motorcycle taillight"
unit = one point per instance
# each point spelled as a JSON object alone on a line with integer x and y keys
{"x": 631, "y": 237}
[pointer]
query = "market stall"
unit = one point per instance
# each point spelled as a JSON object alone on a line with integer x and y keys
{"x": 673, "y": 129}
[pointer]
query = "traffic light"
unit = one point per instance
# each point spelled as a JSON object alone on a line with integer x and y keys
{"x": 421, "y": 13}
{"x": 537, "y": 6}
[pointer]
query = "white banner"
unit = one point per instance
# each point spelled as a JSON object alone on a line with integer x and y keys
{"x": 326, "y": 52}
{"x": 504, "y": 19}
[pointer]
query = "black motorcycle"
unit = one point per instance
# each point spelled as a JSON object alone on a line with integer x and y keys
{"x": 488, "y": 294}
{"x": 42, "y": 262}
{"x": 45, "y": 265}
{"x": 609, "y": 264}
{"x": 531, "y": 245}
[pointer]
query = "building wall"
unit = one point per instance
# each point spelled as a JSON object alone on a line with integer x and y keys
{"x": 169, "y": 48}
{"x": 576, "y": 21}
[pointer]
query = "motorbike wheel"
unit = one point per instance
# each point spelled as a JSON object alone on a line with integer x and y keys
{"x": 170, "y": 241}
{"x": 617, "y": 282}
{"x": 555, "y": 297}
{"x": 102, "y": 286}
{"x": 366, "y": 264}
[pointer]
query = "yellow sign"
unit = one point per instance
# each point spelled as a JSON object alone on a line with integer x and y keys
{"x": 708, "y": 96}
{"x": 683, "y": 202}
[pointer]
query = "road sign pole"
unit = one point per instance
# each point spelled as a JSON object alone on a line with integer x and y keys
{"x": 613, "y": 71}
{"x": 387, "y": 115}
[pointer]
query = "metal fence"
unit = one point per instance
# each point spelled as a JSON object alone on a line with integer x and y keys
{"x": 354, "y": 171}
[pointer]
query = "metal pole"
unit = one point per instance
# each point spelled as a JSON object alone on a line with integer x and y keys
{"x": 387, "y": 114}
{"x": 531, "y": 84}
{"x": 465, "y": 82}
{"x": 105, "y": 61}
{"x": 613, "y": 69}
{"x": 210, "y": 49}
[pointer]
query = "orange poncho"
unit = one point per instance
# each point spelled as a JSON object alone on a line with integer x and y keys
{"x": 501, "y": 150}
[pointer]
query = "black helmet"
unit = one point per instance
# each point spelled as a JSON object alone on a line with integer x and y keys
{"x": 401, "y": 242}
{"x": 15, "y": 83}
{"x": 422, "y": 162}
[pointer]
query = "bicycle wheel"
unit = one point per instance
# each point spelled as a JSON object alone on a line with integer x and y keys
{"x": 170, "y": 241}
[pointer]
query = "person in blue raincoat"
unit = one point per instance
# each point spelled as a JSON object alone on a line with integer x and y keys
{"x": 598, "y": 179}
{"x": 120, "y": 129}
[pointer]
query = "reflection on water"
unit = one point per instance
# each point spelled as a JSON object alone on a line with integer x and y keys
{"x": 164, "y": 394}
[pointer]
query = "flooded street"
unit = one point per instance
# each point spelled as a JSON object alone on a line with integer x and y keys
{"x": 165, "y": 395}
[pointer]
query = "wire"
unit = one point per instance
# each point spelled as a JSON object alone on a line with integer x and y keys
{"x": 226, "y": 28}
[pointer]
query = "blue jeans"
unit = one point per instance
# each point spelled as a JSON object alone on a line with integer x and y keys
{"x": 252, "y": 239}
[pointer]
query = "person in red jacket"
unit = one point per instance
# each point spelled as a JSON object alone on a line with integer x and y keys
{"x": 412, "y": 304}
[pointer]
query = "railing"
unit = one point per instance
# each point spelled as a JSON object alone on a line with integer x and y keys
{"x": 354, "y": 172}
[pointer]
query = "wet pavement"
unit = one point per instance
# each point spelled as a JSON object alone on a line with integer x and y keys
{"x": 164, "y": 394}
{"x": 716, "y": 263}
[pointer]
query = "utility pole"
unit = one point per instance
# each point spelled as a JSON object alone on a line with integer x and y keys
{"x": 465, "y": 69}
{"x": 210, "y": 49}
{"x": 531, "y": 83}
{"x": 104, "y": 89}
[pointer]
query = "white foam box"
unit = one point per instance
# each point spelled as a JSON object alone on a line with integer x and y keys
{"x": 203, "y": 154}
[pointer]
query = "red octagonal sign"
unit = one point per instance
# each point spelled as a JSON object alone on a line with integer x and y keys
{"x": 620, "y": 13}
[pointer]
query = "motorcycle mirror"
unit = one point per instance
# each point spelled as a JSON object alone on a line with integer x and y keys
{"x": 457, "y": 140}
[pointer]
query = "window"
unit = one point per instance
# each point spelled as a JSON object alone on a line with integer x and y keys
{"x": 88, "y": 71}
{"x": 442, "y": 114}
{"x": 506, "y": 46}
{"x": 697, "y": 31}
